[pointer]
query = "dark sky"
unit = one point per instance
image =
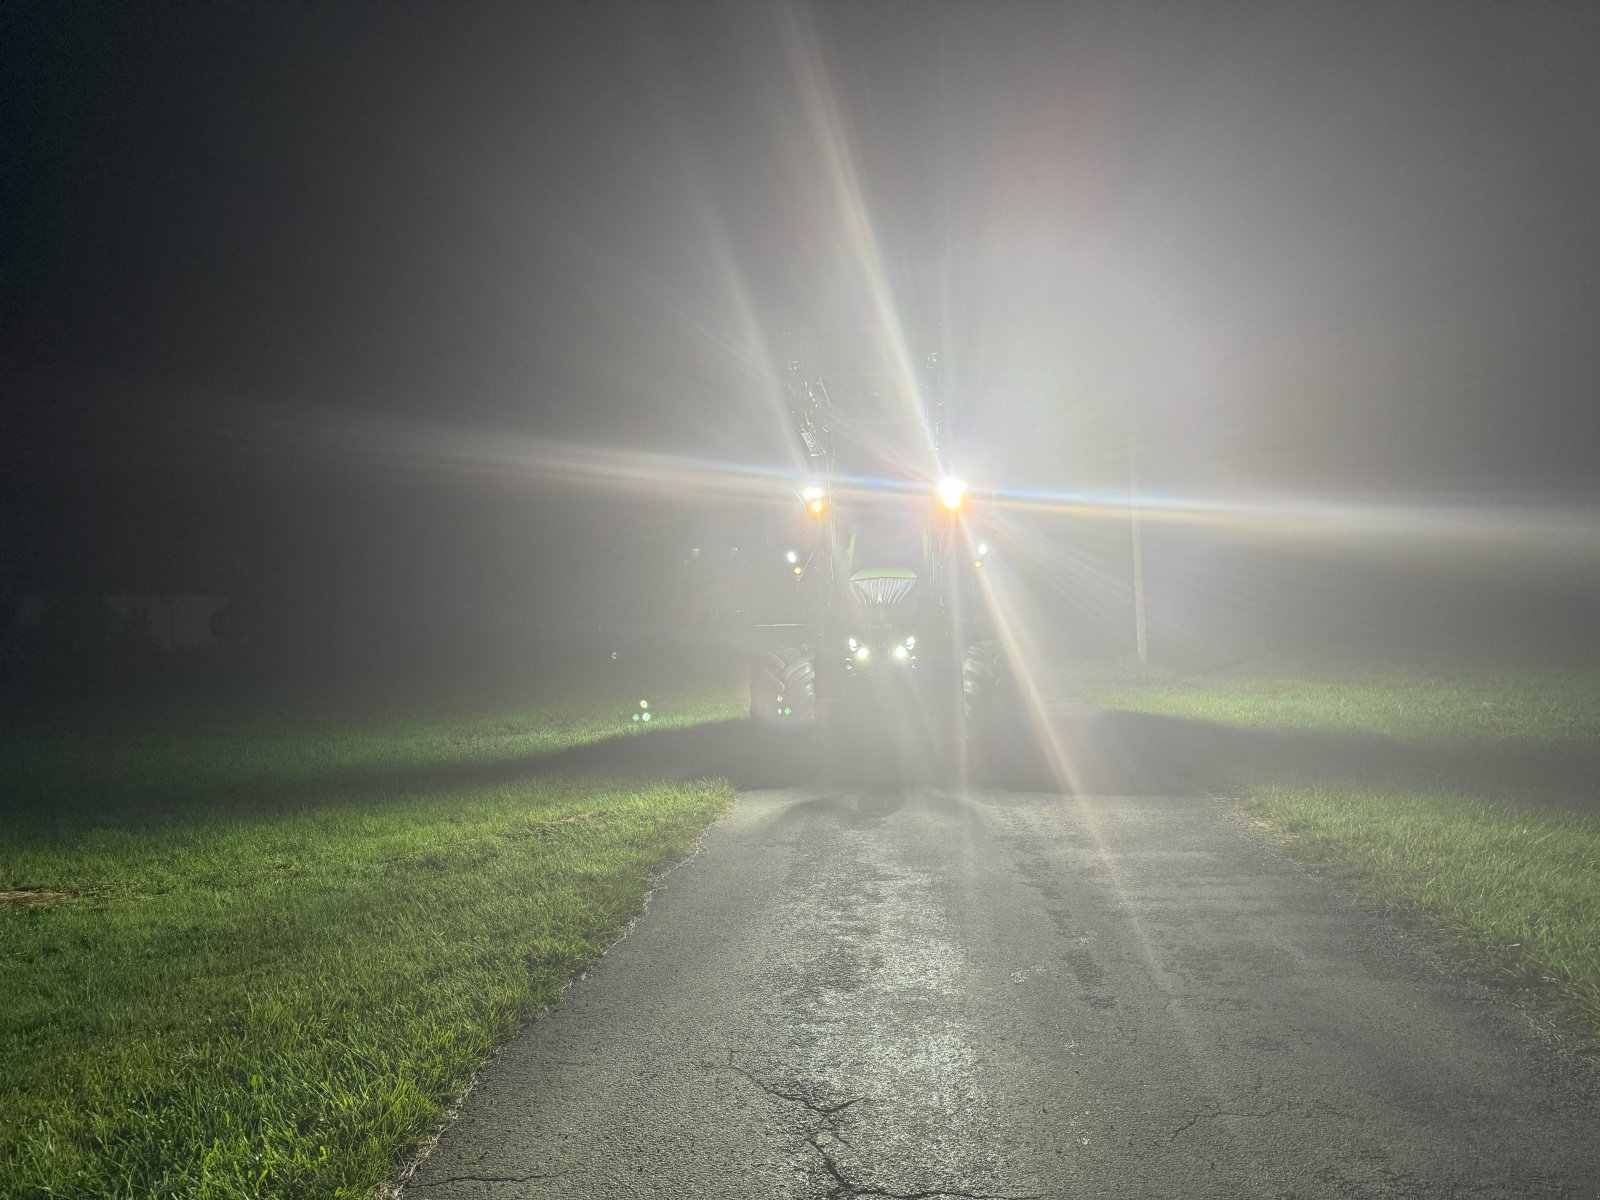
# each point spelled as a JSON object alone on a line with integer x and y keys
{"x": 1334, "y": 249}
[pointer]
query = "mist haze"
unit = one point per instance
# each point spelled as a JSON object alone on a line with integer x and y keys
{"x": 472, "y": 313}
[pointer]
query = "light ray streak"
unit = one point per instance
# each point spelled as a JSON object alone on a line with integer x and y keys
{"x": 1023, "y": 655}
{"x": 829, "y": 129}
{"x": 754, "y": 354}
{"x": 1548, "y": 526}
{"x": 1070, "y": 777}
{"x": 1556, "y": 528}
{"x": 1062, "y": 568}
{"x": 354, "y": 437}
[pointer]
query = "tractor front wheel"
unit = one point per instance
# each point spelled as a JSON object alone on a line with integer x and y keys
{"x": 783, "y": 686}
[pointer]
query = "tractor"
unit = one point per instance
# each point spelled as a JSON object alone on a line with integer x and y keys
{"x": 877, "y": 642}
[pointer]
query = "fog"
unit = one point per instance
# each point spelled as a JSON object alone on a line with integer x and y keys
{"x": 467, "y": 318}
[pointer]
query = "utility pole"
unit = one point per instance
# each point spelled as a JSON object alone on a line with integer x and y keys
{"x": 1141, "y": 647}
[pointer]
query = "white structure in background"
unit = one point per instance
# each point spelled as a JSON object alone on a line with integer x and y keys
{"x": 180, "y": 622}
{"x": 165, "y": 622}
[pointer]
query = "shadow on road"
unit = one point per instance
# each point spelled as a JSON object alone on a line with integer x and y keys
{"x": 1099, "y": 753}
{"x": 1092, "y": 753}
{"x": 1104, "y": 753}
{"x": 745, "y": 753}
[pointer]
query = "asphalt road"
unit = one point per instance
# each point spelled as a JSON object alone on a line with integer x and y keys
{"x": 920, "y": 994}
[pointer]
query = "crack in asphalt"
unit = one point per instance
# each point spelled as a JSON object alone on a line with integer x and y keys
{"x": 772, "y": 1089}
{"x": 1219, "y": 1112}
{"x": 1256, "y": 1089}
{"x": 843, "y": 1187}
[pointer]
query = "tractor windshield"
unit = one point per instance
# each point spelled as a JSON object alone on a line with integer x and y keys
{"x": 882, "y": 442}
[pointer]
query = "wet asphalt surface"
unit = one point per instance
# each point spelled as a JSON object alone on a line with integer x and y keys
{"x": 925, "y": 993}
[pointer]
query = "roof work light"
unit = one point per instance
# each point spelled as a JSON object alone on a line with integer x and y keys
{"x": 951, "y": 490}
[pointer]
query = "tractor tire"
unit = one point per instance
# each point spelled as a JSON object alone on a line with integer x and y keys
{"x": 991, "y": 712}
{"x": 783, "y": 686}
{"x": 983, "y": 668}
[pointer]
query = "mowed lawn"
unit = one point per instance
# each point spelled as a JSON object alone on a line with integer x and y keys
{"x": 1471, "y": 799}
{"x": 249, "y": 951}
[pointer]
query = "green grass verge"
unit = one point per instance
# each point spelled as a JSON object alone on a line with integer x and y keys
{"x": 223, "y": 979}
{"x": 1515, "y": 893}
{"x": 1527, "y": 707}
{"x": 1509, "y": 881}
{"x": 68, "y": 768}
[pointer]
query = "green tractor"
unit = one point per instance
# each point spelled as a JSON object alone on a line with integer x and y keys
{"x": 880, "y": 644}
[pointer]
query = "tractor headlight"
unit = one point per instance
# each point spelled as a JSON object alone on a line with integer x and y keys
{"x": 860, "y": 654}
{"x": 815, "y": 499}
{"x": 950, "y": 491}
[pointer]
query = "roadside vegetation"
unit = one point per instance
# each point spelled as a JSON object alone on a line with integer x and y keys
{"x": 254, "y": 951}
{"x": 1471, "y": 800}
{"x": 1525, "y": 707}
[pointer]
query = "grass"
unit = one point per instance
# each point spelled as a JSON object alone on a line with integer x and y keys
{"x": 1526, "y": 707}
{"x": 253, "y": 953}
{"x": 1505, "y": 871}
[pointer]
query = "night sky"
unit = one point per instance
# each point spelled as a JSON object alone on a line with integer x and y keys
{"x": 1344, "y": 250}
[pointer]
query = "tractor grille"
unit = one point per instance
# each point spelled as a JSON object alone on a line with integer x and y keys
{"x": 877, "y": 592}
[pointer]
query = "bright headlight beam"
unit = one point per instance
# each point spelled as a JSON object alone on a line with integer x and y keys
{"x": 950, "y": 491}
